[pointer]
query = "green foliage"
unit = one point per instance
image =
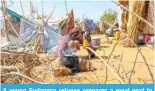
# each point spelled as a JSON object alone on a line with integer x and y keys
{"x": 109, "y": 16}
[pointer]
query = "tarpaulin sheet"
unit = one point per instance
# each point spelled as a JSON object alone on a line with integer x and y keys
{"x": 30, "y": 29}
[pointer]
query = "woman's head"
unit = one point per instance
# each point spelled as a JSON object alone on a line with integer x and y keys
{"x": 75, "y": 35}
{"x": 87, "y": 33}
{"x": 75, "y": 29}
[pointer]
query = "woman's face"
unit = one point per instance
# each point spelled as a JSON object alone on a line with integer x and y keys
{"x": 76, "y": 34}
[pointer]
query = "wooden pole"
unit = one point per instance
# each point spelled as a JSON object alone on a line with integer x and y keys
{"x": 42, "y": 29}
{"x": 66, "y": 7}
{"x": 32, "y": 9}
{"x": 24, "y": 76}
{"x": 5, "y": 23}
{"x": 22, "y": 8}
{"x": 12, "y": 26}
{"x": 6, "y": 18}
{"x": 50, "y": 14}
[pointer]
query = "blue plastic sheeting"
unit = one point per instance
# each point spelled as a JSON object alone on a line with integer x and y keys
{"x": 51, "y": 35}
{"x": 16, "y": 17}
{"x": 29, "y": 30}
{"x": 91, "y": 24}
{"x": 51, "y": 38}
{"x": 13, "y": 14}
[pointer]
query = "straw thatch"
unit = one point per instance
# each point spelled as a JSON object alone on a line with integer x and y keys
{"x": 133, "y": 22}
{"x": 150, "y": 17}
{"x": 124, "y": 2}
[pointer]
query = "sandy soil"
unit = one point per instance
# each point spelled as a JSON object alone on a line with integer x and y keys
{"x": 140, "y": 74}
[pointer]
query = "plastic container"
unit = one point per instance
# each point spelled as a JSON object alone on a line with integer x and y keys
{"x": 146, "y": 39}
{"x": 95, "y": 42}
{"x": 85, "y": 43}
{"x": 117, "y": 35}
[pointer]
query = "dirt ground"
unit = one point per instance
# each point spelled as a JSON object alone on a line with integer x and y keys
{"x": 140, "y": 74}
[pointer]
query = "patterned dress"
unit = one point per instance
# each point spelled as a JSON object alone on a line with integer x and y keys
{"x": 62, "y": 44}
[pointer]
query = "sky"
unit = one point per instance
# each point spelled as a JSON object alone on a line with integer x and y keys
{"x": 92, "y": 9}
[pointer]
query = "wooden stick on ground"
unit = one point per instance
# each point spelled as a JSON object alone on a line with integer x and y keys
{"x": 125, "y": 73}
{"x": 110, "y": 68}
{"x": 152, "y": 77}
{"x": 141, "y": 55}
{"x": 97, "y": 78}
{"x": 51, "y": 70}
{"x": 133, "y": 67}
{"x": 120, "y": 62}
{"x": 9, "y": 67}
{"x": 110, "y": 57}
{"x": 16, "y": 73}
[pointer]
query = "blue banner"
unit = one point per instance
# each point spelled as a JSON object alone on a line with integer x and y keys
{"x": 77, "y": 87}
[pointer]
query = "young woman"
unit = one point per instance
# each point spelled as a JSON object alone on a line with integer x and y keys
{"x": 69, "y": 57}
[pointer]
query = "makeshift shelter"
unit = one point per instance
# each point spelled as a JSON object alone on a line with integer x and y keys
{"x": 133, "y": 18}
{"x": 148, "y": 14}
{"x": 87, "y": 24}
{"x": 12, "y": 20}
{"x": 29, "y": 34}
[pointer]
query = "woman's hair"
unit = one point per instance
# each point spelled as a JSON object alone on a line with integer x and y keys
{"x": 87, "y": 33}
{"x": 83, "y": 32}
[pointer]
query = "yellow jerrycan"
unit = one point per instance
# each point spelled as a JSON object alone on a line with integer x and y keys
{"x": 85, "y": 43}
{"x": 117, "y": 35}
